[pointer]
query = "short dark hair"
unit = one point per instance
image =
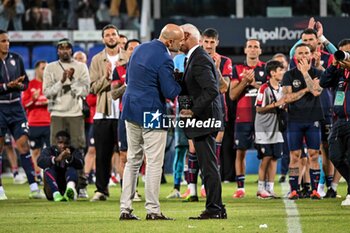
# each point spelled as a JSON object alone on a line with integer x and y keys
{"x": 129, "y": 41}
{"x": 123, "y": 36}
{"x": 255, "y": 39}
{"x": 108, "y": 26}
{"x": 272, "y": 65}
{"x": 344, "y": 42}
{"x": 63, "y": 133}
{"x": 302, "y": 45}
{"x": 37, "y": 64}
{"x": 3, "y": 32}
{"x": 309, "y": 31}
{"x": 211, "y": 33}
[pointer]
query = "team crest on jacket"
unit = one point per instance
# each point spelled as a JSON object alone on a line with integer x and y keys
{"x": 13, "y": 62}
{"x": 296, "y": 83}
{"x": 261, "y": 73}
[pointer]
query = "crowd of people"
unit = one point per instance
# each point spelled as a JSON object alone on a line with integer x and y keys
{"x": 68, "y": 14}
{"x": 292, "y": 110}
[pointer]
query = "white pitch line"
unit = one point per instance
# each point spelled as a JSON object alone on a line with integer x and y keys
{"x": 293, "y": 220}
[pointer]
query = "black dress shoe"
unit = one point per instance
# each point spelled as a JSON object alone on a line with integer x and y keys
{"x": 191, "y": 199}
{"x": 160, "y": 216}
{"x": 206, "y": 215}
{"x": 128, "y": 216}
{"x": 223, "y": 212}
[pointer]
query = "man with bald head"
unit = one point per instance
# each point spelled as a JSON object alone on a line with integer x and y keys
{"x": 150, "y": 81}
{"x": 201, "y": 88}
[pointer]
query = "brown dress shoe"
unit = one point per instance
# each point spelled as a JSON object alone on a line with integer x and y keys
{"x": 128, "y": 216}
{"x": 160, "y": 216}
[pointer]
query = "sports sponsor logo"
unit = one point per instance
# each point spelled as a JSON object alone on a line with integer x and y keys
{"x": 279, "y": 33}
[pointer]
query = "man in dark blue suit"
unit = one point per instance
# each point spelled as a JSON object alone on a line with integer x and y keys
{"x": 150, "y": 81}
{"x": 204, "y": 117}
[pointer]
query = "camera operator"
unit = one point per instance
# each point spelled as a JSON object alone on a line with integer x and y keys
{"x": 337, "y": 76}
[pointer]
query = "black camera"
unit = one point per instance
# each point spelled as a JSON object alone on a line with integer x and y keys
{"x": 185, "y": 102}
{"x": 341, "y": 55}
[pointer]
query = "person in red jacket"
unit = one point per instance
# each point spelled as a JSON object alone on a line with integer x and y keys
{"x": 35, "y": 105}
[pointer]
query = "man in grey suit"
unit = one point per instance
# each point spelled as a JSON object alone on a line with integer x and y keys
{"x": 203, "y": 109}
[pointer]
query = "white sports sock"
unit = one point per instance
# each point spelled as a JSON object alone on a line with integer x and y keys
{"x": 55, "y": 193}
{"x": 334, "y": 186}
{"x": 71, "y": 184}
{"x": 261, "y": 185}
{"x": 33, "y": 187}
{"x": 193, "y": 189}
{"x": 2, "y": 189}
{"x": 270, "y": 186}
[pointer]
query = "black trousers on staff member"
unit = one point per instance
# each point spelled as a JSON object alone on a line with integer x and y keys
{"x": 205, "y": 150}
{"x": 106, "y": 139}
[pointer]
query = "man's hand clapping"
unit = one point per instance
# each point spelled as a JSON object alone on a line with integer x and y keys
{"x": 67, "y": 74}
{"x": 16, "y": 83}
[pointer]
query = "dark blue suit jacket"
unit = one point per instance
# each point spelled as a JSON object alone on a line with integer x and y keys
{"x": 150, "y": 81}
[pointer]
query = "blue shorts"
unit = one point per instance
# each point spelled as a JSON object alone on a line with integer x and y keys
{"x": 123, "y": 144}
{"x": 39, "y": 136}
{"x": 244, "y": 135}
{"x": 270, "y": 150}
{"x": 13, "y": 118}
{"x": 297, "y": 131}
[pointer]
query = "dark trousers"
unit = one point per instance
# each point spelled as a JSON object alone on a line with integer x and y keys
{"x": 56, "y": 179}
{"x": 205, "y": 150}
{"x": 339, "y": 148}
{"x": 228, "y": 154}
{"x": 105, "y": 135}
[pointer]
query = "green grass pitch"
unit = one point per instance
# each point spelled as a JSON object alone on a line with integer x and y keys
{"x": 20, "y": 214}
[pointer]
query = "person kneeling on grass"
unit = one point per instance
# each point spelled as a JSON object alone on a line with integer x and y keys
{"x": 268, "y": 138}
{"x": 60, "y": 163}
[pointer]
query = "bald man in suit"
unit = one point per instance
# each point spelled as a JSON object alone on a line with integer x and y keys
{"x": 150, "y": 81}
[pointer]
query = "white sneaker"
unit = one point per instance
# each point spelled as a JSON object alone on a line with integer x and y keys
{"x": 36, "y": 194}
{"x": 346, "y": 202}
{"x": 111, "y": 183}
{"x": 99, "y": 197}
{"x": 263, "y": 194}
{"x": 184, "y": 182}
{"x": 3, "y": 196}
{"x": 19, "y": 179}
{"x": 273, "y": 195}
{"x": 137, "y": 197}
{"x": 320, "y": 190}
{"x": 174, "y": 194}
{"x": 83, "y": 193}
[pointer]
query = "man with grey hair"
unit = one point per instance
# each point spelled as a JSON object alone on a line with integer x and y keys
{"x": 201, "y": 89}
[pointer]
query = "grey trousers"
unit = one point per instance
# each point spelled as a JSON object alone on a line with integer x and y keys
{"x": 143, "y": 142}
